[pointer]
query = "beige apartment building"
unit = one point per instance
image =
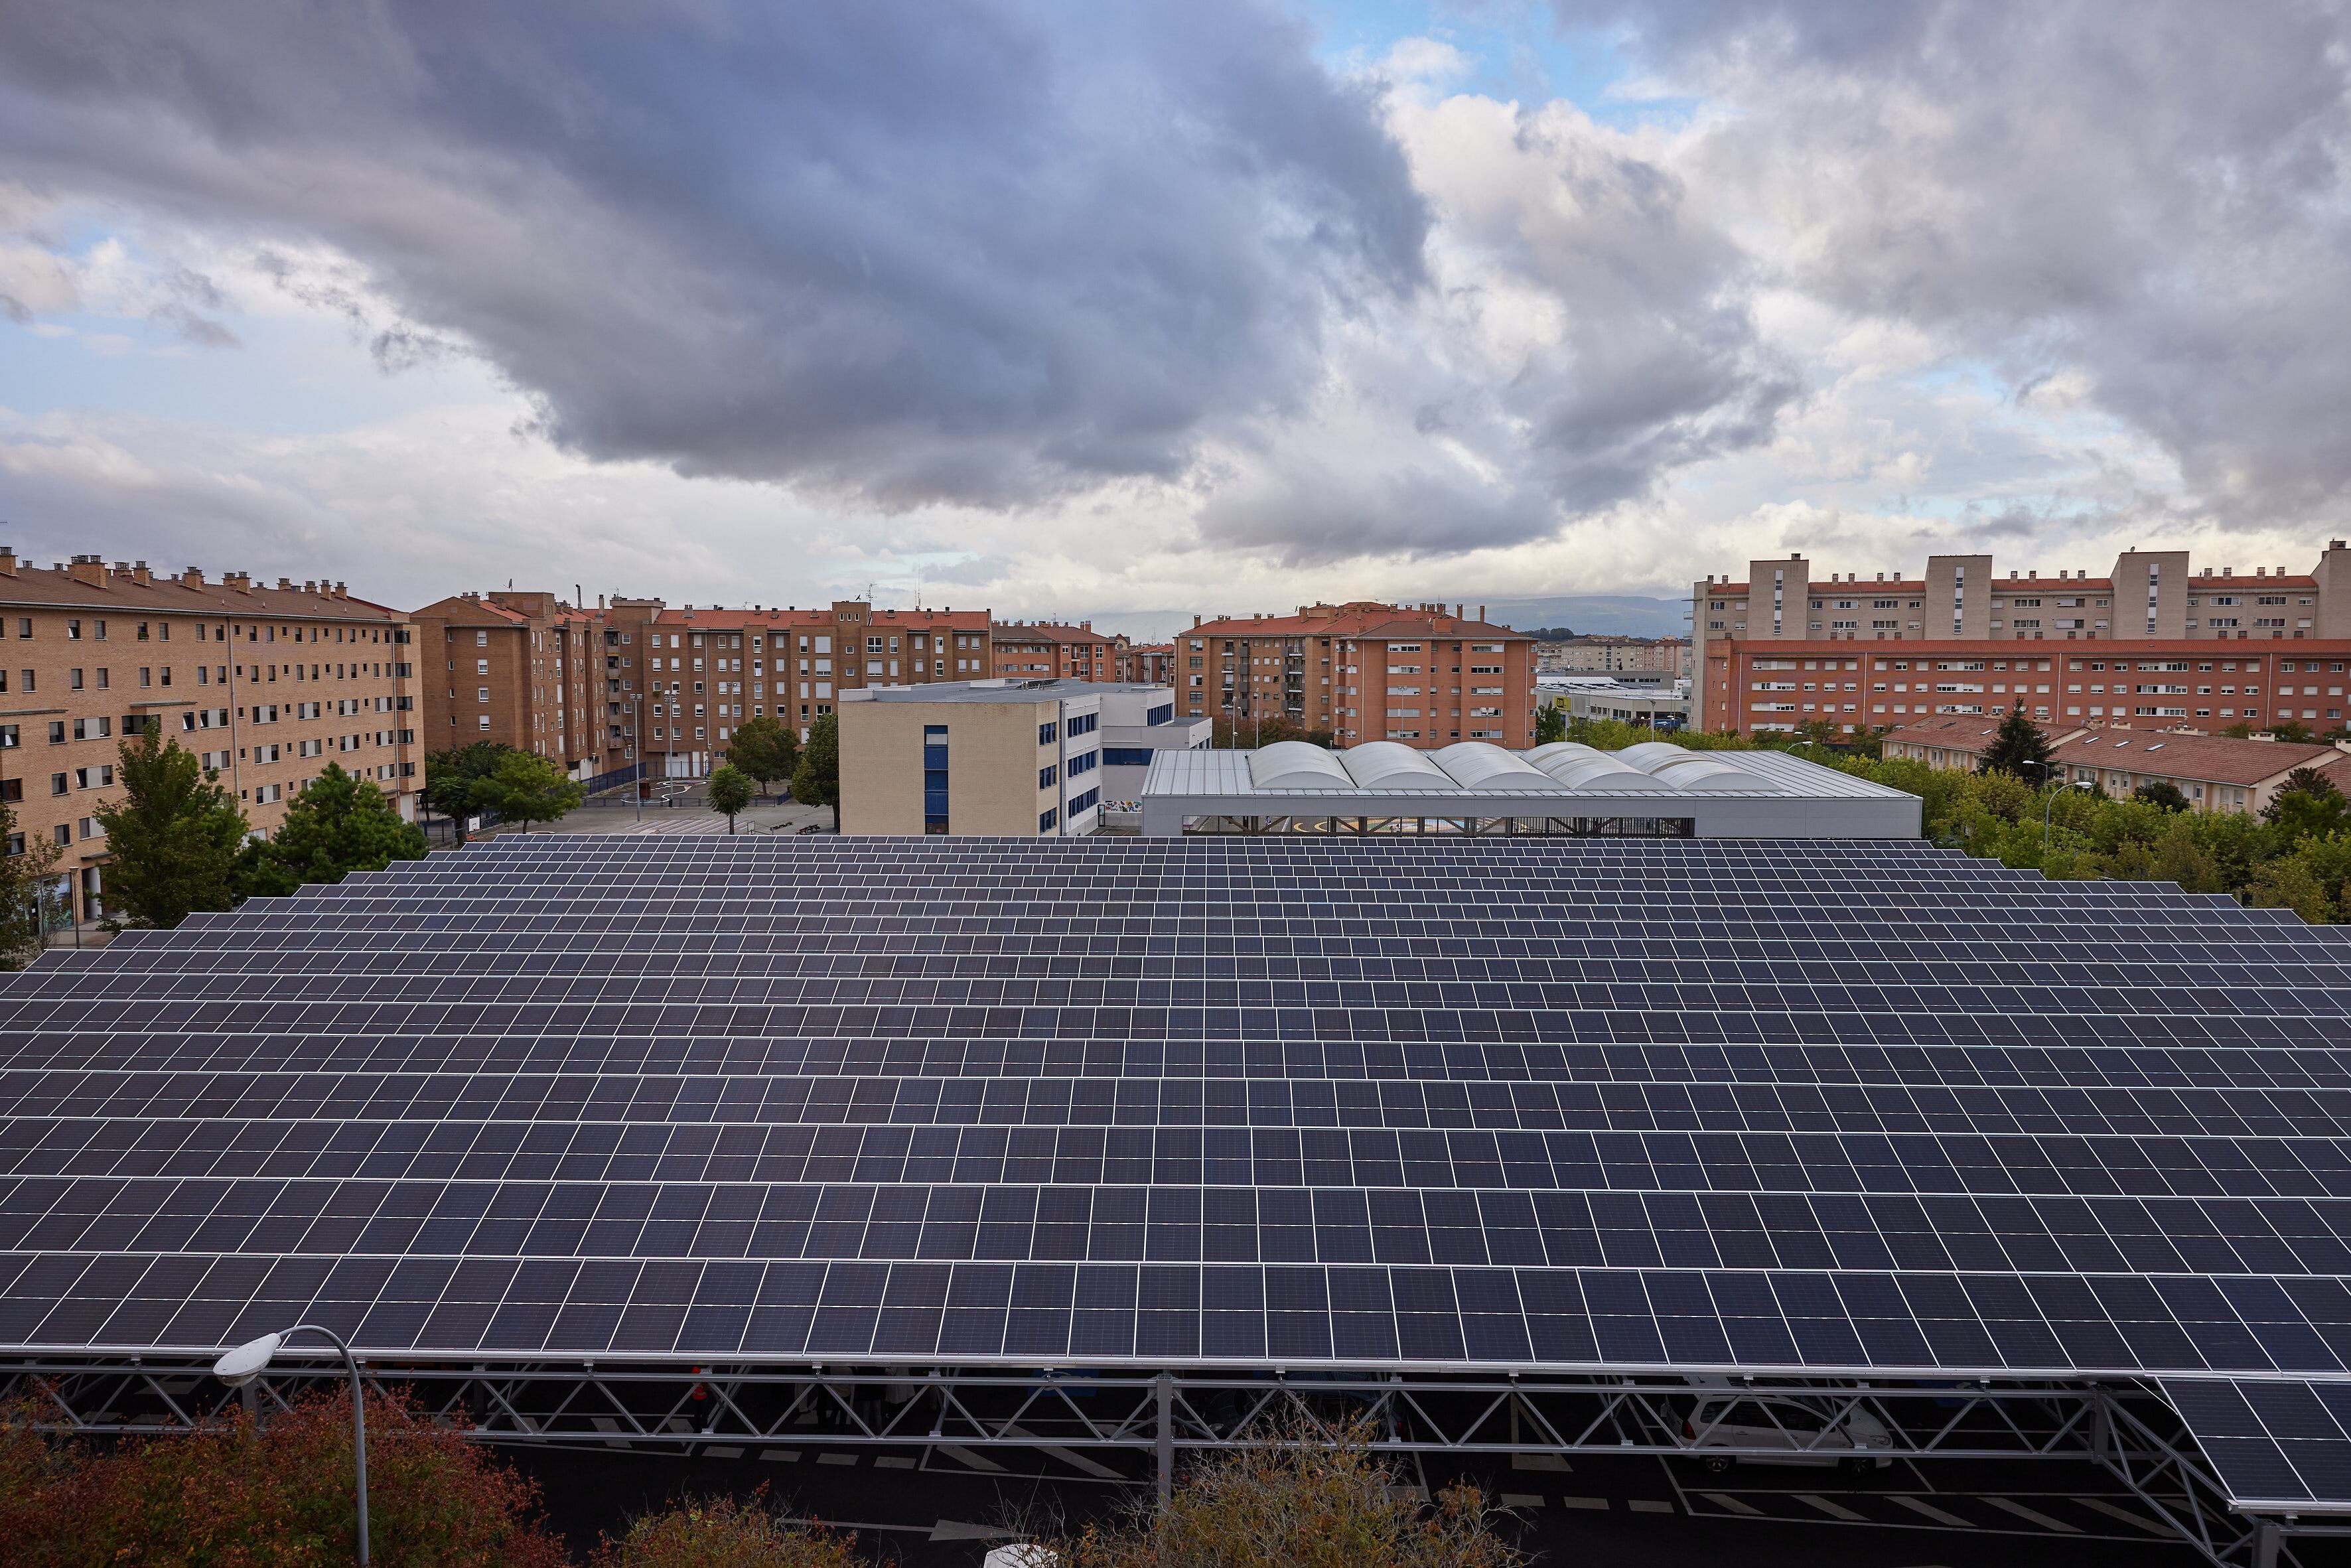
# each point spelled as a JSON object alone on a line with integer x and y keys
{"x": 1021, "y": 758}
{"x": 267, "y": 684}
{"x": 2211, "y": 772}
{"x": 1584, "y": 655}
{"x": 1362, "y": 672}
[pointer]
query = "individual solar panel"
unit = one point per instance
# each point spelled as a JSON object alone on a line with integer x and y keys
{"x": 1815, "y": 1108}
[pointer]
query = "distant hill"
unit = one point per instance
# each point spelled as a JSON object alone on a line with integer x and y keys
{"x": 1590, "y": 614}
{"x": 1618, "y": 614}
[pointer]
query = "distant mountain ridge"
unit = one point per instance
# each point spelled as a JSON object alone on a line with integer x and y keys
{"x": 1596, "y": 614}
{"x": 1589, "y": 614}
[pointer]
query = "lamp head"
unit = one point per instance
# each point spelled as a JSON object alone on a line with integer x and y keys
{"x": 2082, "y": 784}
{"x": 247, "y": 1361}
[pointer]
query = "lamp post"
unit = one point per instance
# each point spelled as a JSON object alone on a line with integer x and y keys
{"x": 2045, "y": 810}
{"x": 248, "y": 1361}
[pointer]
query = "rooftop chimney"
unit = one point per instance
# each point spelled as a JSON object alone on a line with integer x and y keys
{"x": 138, "y": 573}
{"x": 8, "y": 560}
{"x": 286, "y": 585}
{"x": 238, "y": 580}
{"x": 88, "y": 569}
{"x": 193, "y": 577}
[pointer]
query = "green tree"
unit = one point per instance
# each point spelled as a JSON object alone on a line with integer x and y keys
{"x": 1550, "y": 724}
{"x": 450, "y": 777}
{"x": 816, "y": 780}
{"x": 2307, "y": 803}
{"x": 2019, "y": 748}
{"x": 339, "y": 824}
{"x": 2162, "y": 794}
{"x": 730, "y": 791}
{"x": 173, "y": 838}
{"x": 22, "y": 873}
{"x": 2292, "y": 731}
{"x": 765, "y": 749}
{"x": 525, "y": 788}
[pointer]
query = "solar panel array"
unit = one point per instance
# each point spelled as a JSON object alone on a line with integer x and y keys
{"x": 1857, "y": 1107}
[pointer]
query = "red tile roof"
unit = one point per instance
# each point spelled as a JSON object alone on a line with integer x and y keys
{"x": 123, "y": 593}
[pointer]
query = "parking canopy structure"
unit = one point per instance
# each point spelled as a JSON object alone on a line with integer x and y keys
{"x": 1114, "y": 1144}
{"x": 1385, "y": 789}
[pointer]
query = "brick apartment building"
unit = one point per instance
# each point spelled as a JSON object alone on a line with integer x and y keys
{"x": 1044, "y": 651}
{"x": 1147, "y": 663}
{"x": 1363, "y": 672}
{"x": 523, "y": 669}
{"x": 693, "y": 675}
{"x": 2177, "y": 646}
{"x": 266, "y": 685}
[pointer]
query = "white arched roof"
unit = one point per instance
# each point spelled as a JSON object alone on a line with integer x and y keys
{"x": 1295, "y": 765}
{"x": 1391, "y": 765}
{"x": 1705, "y": 775}
{"x": 1475, "y": 762}
{"x": 1601, "y": 771}
{"x": 1543, "y": 753}
{"x": 1649, "y": 753}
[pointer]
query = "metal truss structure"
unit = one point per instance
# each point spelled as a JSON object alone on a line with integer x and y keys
{"x": 1132, "y": 1426}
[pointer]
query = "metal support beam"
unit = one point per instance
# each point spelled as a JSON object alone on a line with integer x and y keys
{"x": 1164, "y": 1392}
{"x": 1099, "y": 1421}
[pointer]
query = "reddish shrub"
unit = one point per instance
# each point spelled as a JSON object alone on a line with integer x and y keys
{"x": 720, "y": 1533}
{"x": 230, "y": 1497}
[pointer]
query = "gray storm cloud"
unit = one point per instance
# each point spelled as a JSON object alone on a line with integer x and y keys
{"x": 915, "y": 251}
{"x": 2154, "y": 194}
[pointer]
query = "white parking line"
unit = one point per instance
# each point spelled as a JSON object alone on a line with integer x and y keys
{"x": 2034, "y": 1515}
{"x": 1644, "y": 1505}
{"x": 1931, "y": 1511}
{"x": 1522, "y": 1500}
{"x": 1600, "y": 1503}
{"x": 1724, "y": 1500}
{"x": 1833, "y": 1509}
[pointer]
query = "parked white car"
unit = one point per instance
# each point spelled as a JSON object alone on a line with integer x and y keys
{"x": 1793, "y": 1432}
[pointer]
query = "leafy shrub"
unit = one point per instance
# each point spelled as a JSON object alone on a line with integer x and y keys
{"x": 233, "y": 1497}
{"x": 1297, "y": 1500}
{"x": 723, "y": 1533}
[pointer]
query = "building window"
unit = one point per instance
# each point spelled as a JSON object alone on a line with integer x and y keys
{"x": 1047, "y": 818}
{"x": 934, "y": 779}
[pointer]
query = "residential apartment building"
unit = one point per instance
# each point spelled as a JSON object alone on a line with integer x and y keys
{"x": 687, "y": 677}
{"x": 1147, "y": 663}
{"x": 1776, "y": 650}
{"x": 1364, "y": 671}
{"x": 523, "y": 669}
{"x": 1044, "y": 651}
{"x": 2211, "y": 772}
{"x": 964, "y": 758}
{"x": 266, "y": 685}
{"x": 1614, "y": 655}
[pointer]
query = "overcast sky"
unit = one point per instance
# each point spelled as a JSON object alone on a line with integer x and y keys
{"x": 1127, "y": 311}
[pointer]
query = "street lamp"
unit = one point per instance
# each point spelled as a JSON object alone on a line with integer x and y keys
{"x": 248, "y": 1361}
{"x": 2045, "y": 810}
